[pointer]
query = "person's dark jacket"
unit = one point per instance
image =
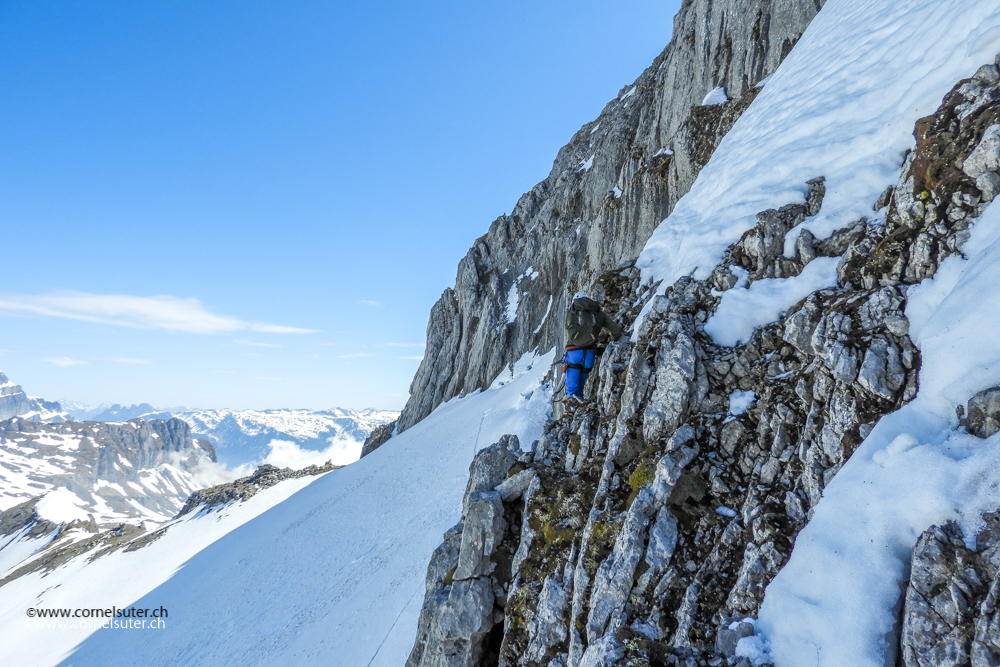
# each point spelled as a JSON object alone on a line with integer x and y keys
{"x": 584, "y": 322}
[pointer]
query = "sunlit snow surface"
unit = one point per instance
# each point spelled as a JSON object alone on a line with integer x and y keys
{"x": 332, "y": 575}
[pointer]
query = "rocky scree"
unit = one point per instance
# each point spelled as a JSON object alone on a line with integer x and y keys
{"x": 644, "y": 526}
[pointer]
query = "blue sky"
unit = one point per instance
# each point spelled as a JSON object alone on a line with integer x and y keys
{"x": 255, "y": 204}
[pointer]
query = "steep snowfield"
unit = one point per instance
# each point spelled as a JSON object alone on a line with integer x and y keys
{"x": 843, "y": 106}
{"x": 332, "y": 575}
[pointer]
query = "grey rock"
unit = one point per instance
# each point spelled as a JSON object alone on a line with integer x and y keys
{"x": 489, "y": 467}
{"x": 989, "y": 185}
{"x": 730, "y": 634}
{"x": 760, "y": 564}
{"x": 378, "y": 437}
{"x": 458, "y": 619}
{"x": 527, "y": 532}
{"x": 986, "y": 156}
{"x": 484, "y": 528}
{"x": 987, "y": 74}
{"x": 984, "y": 413}
{"x": 882, "y": 371}
{"x": 548, "y": 627}
{"x": 515, "y": 485}
{"x": 675, "y": 374}
{"x": 613, "y": 580}
{"x": 605, "y": 652}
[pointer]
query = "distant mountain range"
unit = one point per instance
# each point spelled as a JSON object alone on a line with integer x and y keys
{"x": 243, "y": 436}
{"x": 111, "y": 463}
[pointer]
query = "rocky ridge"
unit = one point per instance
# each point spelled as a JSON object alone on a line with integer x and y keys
{"x": 645, "y": 524}
{"x": 14, "y": 402}
{"x": 609, "y": 188}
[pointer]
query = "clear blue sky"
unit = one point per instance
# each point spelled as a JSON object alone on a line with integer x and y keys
{"x": 266, "y": 167}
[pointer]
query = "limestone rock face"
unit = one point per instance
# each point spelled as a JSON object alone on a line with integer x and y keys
{"x": 950, "y": 614}
{"x": 609, "y": 188}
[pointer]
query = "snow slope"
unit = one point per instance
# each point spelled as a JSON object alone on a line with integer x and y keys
{"x": 332, "y": 575}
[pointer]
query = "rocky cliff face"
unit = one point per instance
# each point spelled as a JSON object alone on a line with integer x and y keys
{"x": 615, "y": 181}
{"x": 15, "y": 403}
{"x": 646, "y": 523}
{"x": 135, "y": 470}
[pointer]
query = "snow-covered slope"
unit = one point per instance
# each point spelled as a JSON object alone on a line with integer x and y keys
{"x": 332, "y": 575}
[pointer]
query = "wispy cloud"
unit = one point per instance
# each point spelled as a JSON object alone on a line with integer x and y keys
{"x": 131, "y": 360}
{"x": 367, "y": 302}
{"x": 255, "y": 344}
{"x": 404, "y": 344}
{"x": 65, "y": 361}
{"x": 139, "y": 312}
{"x": 4, "y": 351}
{"x": 355, "y": 355}
{"x": 417, "y": 358}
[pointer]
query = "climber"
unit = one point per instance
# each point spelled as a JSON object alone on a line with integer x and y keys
{"x": 584, "y": 322}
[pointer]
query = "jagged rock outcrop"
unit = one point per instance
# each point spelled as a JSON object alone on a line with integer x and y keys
{"x": 660, "y": 509}
{"x": 609, "y": 188}
{"x": 378, "y": 437}
{"x": 950, "y": 611}
{"x": 243, "y": 488}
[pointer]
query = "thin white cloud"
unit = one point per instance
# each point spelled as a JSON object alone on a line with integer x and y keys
{"x": 138, "y": 312}
{"x": 131, "y": 360}
{"x": 404, "y": 344}
{"x": 355, "y": 355}
{"x": 64, "y": 361}
{"x": 417, "y": 358}
{"x": 368, "y": 302}
{"x": 4, "y": 351}
{"x": 255, "y": 344}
